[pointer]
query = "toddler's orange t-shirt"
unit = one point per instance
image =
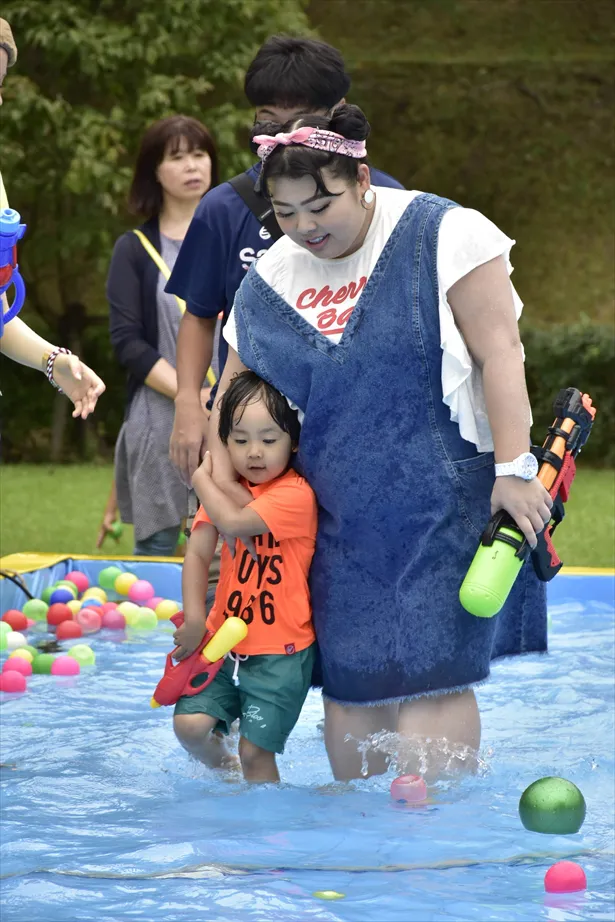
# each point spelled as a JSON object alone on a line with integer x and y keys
{"x": 271, "y": 595}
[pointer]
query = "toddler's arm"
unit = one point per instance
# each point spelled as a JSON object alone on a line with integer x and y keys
{"x": 195, "y": 572}
{"x": 229, "y": 516}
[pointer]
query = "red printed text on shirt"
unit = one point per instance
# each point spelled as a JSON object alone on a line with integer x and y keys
{"x": 333, "y": 308}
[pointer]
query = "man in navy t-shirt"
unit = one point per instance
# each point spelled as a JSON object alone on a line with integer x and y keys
{"x": 288, "y": 77}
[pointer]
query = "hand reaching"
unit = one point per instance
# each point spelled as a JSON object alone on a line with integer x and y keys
{"x": 80, "y": 384}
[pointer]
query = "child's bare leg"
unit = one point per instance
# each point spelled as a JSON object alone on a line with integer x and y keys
{"x": 194, "y": 732}
{"x": 358, "y": 722}
{"x": 257, "y": 764}
{"x": 452, "y": 724}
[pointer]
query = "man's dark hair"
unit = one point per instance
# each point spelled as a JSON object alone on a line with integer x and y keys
{"x": 243, "y": 389}
{"x": 145, "y": 196}
{"x": 296, "y": 73}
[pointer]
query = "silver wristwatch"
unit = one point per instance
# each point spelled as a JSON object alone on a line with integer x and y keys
{"x": 525, "y": 467}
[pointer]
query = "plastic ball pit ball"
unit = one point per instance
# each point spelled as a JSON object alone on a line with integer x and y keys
{"x": 46, "y": 594}
{"x": 409, "y": 789}
{"x": 565, "y": 877}
{"x": 12, "y": 681}
{"x": 117, "y": 530}
{"x": 166, "y": 609}
{"x": 65, "y": 665}
{"x": 90, "y": 601}
{"x": 58, "y": 613}
{"x": 68, "y": 630}
{"x": 15, "y": 640}
{"x": 79, "y": 579}
{"x": 41, "y": 664}
{"x": 22, "y": 653}
{"x": 89, "y": 619}
{"x": 114, "y": 620}
{"x": 95, "y": 593}
{"x": 83, "y": 654}
{"x": 74, "y": 606}
{"x": 15, "y": 619}
{"x": 155, "y": 602}
{"x": 61, "y": 595}
{"x": 145, "y": 619}
{"x": 552, "y": 806}
{"x": 35, "y": 609}
{"x": 328, "y": 895}
{"x": 124, "y": 582}
{"x": 107, "y": 606}
{"x": 17, "y": 664}
{"x": 68, "y": 584}
{"x": 140, "y": 591}
{"x": 108, "y": 576}
{"x": 30, "y": 649}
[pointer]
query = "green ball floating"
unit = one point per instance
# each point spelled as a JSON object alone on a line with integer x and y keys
{"x": 46, "y": 594}
{"x": 145, "y": 619}
{"x": 33, "y": 650}
{"x": 328, "y": 895}
{"x": 84, "y": 654}
{"x": 108, "y": 576}
{"x": 67, "y": 584}
{"x": 552, "y": 806}
{"x": 35, "y": 609}
{"x": 42, "y": 663}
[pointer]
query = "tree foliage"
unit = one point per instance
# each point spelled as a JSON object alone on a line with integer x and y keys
{"x": 91, "y": 75}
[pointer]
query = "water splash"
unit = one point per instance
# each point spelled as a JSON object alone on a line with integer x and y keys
{"x": 430, "y": 758}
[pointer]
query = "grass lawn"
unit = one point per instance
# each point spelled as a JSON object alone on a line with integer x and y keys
{"x": 59, "y": 509}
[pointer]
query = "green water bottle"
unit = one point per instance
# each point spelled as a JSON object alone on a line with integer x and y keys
{"x": 502, "y": 553}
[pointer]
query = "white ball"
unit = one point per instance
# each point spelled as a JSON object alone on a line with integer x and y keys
{"x": 14, "y": 640}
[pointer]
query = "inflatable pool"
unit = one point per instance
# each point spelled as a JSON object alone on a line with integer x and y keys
{"x": 106, "y": 819}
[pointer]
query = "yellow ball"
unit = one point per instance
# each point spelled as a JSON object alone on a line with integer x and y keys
{"x": 145, "y": 619}
{"x": 166, "y": 609}
{"x": 95, "y": 593}
{"x": 130, "y": 612}
{"x": 124, "y": 582}
{"x": 328, "y": 895}
{"x": 22, "y": 654}
{"x": 74, "y": 605}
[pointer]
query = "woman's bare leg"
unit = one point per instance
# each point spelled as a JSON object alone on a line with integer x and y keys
{"x": 451, "y": 723}
{"x": 194, "y": 732}
{"x": 358, "y": 722}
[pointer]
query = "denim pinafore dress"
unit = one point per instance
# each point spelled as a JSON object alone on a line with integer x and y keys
{"x": 403, "y": 499}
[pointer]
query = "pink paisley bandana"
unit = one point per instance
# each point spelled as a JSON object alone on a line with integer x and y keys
{"x": 318, "y": 138}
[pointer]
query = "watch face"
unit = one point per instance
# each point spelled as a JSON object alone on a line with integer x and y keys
{"x": 529, "y": 466}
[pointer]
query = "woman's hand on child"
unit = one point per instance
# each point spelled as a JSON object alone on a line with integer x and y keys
{"x": 528, "y": 502}
{"x": 187, "y": 638}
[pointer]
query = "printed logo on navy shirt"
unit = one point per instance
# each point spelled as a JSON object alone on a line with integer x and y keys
{"x": 248, "y": 256}
{"x": 264, "y": 234}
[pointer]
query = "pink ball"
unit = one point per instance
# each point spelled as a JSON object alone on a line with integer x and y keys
{"x": 12, "y": 681}
{"x": 409, "y": 789}
{"x": 65, "y": 665}
{"x": 154, "y": 603}
{"x": 17, "y": 664}
{"x": 68, "y": 630}
{"x": 107, "y": 606}
{"x": 114, "y": 620}
{"x": 140, "y": 591}
{"x": 89, "y": 619}
{"x": 79, "y": 579}
{"x": 565, "y": 877}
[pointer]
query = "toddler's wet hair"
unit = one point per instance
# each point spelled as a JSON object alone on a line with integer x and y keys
{"x": 243, "y": 389}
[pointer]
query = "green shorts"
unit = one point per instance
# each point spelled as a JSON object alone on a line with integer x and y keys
{"x": 268, "y": 700}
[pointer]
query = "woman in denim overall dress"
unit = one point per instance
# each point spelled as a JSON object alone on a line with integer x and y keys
{"x": 388, "y": 318}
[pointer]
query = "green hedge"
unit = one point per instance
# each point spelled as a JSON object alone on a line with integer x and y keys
{"x": 583, "y": 356}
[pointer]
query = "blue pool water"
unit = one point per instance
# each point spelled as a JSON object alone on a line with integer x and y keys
{"x": 106, "y": 819}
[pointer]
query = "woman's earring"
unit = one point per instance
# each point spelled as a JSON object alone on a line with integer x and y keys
{"x": 368, "y": 197}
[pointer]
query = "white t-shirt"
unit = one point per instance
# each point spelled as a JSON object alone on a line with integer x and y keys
{"x": 325, "y": 291}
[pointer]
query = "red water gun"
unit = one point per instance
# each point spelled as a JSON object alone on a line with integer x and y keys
{"x": 191, "y": 675}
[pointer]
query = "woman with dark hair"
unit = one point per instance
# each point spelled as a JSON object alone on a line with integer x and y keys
{"x": 176, "y": 165}
{"x": 387, "y": 317}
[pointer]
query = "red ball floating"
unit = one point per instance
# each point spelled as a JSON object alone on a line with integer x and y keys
{"x": 409, "y": 789}
{"x": 79, "y": 579}
{"x": 89, "y": 619}
{"x": 12, "y": 681}
{"x": 58, "y": 613}
{"x": 17, "y": 620}
{"x": 106, "y": 607}
{"x": 17, "y": 664}
{"x": 565, "y": 877}
{"x": 68, "y": 630}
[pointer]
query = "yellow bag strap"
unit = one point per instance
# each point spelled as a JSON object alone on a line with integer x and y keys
{"x": 151, "y": 250}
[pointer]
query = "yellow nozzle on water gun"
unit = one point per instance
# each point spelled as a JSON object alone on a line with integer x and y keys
{"x": 153, "y": 703}
{"x": 228, "y": 635}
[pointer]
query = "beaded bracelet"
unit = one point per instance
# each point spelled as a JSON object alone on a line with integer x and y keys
{"x": 50, "y": 363}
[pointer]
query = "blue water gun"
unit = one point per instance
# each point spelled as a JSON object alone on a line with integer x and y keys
{"x": 10, "y": 232}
